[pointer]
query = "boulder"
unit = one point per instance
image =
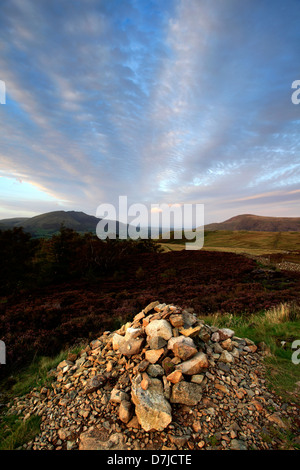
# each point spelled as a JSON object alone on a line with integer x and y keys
{"x": 152, "y": 409}
{"x": 175, "y": 376}
{"x": 155, "y": 370}
{"x": 161, "y": 328}
{"x": 190, "y": 331}
{"x": 184, "y": 351}
{"x": 222, "y": 334}
{"x": 153, "y": 355}
{"x": 179, "y": 340}
{"x": 96, "y": 439}
{"x": 131, "y": 347}
{"x": 129, "y": 344}
{"x": 151, "y": 306}
{"x": 168, "y": 365}
{"x": 176, "y": 320}
{"x": 117, "y": 396}
{"x": 226, "y": 357}
{"x": 195, "y": 365}
{"x": 157, "y": 342}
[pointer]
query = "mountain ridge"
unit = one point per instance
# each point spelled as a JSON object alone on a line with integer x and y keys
{"x": 48, "y": 223}
{"x": 257, "y": 223}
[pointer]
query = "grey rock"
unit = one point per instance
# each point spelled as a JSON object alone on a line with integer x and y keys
{"x": 186, "y": 393}
{"x": 226, "y": 357}
{"x": 237, "y": 444}
{"x": 95, "y": 383}
{"x": 155, "y": 370}
{"x": 152, "y": 409}
{"x": 157, "y": 342}
{"x": 179, "y": 340}
{"x": 161, "y": 328}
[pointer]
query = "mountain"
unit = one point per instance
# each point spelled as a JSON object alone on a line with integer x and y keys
{"x": 11, "y": 223}
{"x": 47, "y": 224}
{"x": 257, "y": 223}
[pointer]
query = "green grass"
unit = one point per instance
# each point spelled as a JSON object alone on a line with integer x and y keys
{"x": 281, "y": 324}
{"x": 268, "y": 241}
{"x": 35, "y": 375}
{"x": 242, "y": 241}
{"x": 14, "y": 431}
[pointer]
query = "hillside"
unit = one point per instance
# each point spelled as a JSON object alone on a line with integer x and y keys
{"x": 163, "y": 381}
{"x": 47, "y": 224}
{"x": 257, "y": 223}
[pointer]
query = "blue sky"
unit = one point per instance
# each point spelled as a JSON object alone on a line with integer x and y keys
{"x": 173, "y": 101}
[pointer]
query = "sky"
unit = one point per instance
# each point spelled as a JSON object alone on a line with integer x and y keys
{"x": 161, "y": 101}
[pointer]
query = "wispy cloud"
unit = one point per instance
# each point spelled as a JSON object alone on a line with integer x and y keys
{"x": 174, "y": 101}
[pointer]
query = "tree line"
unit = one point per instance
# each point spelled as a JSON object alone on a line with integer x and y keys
{"x": 27, "y": 262}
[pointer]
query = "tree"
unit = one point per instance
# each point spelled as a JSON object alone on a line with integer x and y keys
{"x": 17, "y": 250}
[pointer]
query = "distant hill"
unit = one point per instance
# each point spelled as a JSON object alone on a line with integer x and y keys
{"x": 257, "y": 223}
{"x": 45, "y": 225}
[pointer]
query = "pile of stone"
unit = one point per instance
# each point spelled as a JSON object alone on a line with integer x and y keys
{"x": 172, "y": 348}
{"x": 165, "y": 380}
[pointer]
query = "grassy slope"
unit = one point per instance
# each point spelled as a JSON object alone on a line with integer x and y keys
{"x": 256, "y": 243}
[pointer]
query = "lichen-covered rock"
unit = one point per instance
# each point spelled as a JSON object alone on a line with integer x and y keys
{"x": 152, "y": 409}
{"x": 184, "y": 351}
{"x": 160, "y": 328}
{"x": 186, "y": 393}
{"x": 179, "y": 340}
{"x": 222, "y": 334}
{"x": 129, "y": 344}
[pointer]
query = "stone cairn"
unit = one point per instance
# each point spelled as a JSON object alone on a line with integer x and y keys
{"x": 127, "y": 388}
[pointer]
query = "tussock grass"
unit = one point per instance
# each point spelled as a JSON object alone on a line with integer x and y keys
{"x": 14, "y": 431}
{"x": 36, "y": 374}
{"x": 282, "y": 313}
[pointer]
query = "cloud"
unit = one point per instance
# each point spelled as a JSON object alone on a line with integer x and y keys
{"x": 174, "y": 101}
